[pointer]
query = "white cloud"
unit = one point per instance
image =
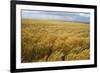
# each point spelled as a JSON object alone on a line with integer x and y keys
{"x": 84, "y": 14}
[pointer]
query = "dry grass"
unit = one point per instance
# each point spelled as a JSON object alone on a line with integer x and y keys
{"x": 48, "y": 40}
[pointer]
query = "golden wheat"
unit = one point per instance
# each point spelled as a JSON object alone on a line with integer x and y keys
{"x": 48, "y": 40}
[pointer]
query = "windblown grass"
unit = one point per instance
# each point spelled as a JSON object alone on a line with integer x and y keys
{"x": 48, "y": 40}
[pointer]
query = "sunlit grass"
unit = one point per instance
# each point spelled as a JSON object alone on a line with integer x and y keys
{"x": 49, "y": 40}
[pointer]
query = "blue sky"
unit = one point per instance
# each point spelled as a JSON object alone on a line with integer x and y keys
{"x": 53, "y": 15}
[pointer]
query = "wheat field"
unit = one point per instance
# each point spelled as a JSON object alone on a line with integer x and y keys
{"x": 51, "y": 40}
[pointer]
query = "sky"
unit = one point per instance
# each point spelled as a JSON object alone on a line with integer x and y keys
{"x": 56, "y": 15}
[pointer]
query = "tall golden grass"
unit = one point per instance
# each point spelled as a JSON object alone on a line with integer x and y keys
{"x": 49, "y": 40}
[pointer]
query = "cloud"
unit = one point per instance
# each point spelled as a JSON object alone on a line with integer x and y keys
{"x": 84, "y": 14}
{"x": 54, "y": 15}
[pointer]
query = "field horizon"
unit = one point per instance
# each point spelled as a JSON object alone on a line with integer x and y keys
{"x": 52, "y": 20}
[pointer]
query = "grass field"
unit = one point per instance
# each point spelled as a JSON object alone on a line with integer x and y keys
{"x": 49, "y": 40}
